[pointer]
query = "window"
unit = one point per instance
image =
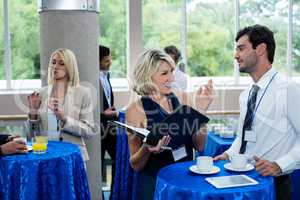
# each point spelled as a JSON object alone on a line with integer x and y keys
{"x": 24, "y": 32}
{"x": 113, "y": 34}
{"x": 210, "y": 40}
{"x": 161, "y": 23}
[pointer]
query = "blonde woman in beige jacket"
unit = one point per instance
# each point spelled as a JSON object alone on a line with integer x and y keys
{"x": 64, "y": 104}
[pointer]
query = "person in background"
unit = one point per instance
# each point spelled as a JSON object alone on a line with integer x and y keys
{"x": 64, "y": 105}
{"x": 108, "y": 112}
{"x": 10, "y": 146}
{"x": 269, "y": 120}
{"x": 152, "y": 80}
{"x": 180, "y": 78}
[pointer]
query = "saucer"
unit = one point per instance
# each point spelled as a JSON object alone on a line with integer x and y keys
{"x": 194, "y": 169}
{"x": 29, "y": 147}
{"x": 248, "y": 167}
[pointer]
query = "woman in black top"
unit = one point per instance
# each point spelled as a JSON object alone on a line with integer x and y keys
{"x": 153, "y": 78}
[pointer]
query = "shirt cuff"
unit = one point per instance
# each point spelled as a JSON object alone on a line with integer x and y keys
{"x": 285, "y": 163}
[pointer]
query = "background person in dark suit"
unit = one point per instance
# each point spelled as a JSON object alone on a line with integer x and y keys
{"x": 107, "y": 110}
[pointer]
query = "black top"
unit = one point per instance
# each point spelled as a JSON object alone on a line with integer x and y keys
{"x": 155, "y": 114}
{"x": 3, "y": 139}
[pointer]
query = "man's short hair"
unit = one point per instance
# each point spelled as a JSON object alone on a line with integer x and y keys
{"x": 173, "y": 50}
{"x": 103, "y": 51}
{"x": 259, "y": 34}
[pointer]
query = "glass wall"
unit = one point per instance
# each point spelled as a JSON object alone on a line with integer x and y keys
{"x": 210, "y": 33}
{"x": 24, "y": 32}
{"x": 112, "y": 19}
{"x": 210, "y": 39}
{"x": 161, "y": 23}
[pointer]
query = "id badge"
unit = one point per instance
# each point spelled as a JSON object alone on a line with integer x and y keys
{"x": 250, "y": 136}
{"x": 179, "y": 153}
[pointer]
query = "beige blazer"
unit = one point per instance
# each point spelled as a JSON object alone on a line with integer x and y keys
{"x": 78, "y": 109}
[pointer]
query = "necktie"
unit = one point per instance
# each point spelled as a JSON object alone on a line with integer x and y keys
{"x": 249, "y": 116}
{"x": 106, "y": 88}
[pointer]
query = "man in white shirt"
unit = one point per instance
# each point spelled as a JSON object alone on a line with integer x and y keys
{"x": 269, "y": 128}
{"x": 180, "y": 78}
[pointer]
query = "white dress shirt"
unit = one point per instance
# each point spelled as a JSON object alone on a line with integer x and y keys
{"x": 276, "y": 123}
{"x": 105, "y": 85}
{"x": 180, "y": 79}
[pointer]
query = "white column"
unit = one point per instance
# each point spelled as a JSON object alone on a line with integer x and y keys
{"x": 289, "y": 51}
{"x": 183, "y": 35}
{"x": 237, "y": 28}
{"x": 74, "y": 24}
{"x": 7, "y": 50}
{"x": 134, "y": 33}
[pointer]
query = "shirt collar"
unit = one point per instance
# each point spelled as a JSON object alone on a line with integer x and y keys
{"x": 264, "y": 80}
{"x": 103, "y": 73}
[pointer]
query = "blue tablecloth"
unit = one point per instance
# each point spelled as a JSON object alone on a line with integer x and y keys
{"x": 57, "y": 174}
{"x": 177, "y": 182}
{"x": 126, "y": 179}
{"x": 215, "y": 145}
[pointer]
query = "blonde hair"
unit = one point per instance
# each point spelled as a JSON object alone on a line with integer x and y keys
{"x": 147, "y": 65}
{"x": 70, "y": 62}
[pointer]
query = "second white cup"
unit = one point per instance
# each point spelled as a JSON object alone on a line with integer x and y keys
{"x": 238, "y": 161}
{"x": 204, "y": 163}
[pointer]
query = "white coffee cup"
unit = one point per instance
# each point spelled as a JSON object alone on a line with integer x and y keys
{"x": 204, "y": 163}
{"x": 238, "y": 161}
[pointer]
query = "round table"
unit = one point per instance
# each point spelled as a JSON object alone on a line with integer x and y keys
{"x": 57, "y": 174}
{"x": 177, "y": 182}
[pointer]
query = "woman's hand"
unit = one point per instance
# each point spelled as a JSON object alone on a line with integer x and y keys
{"x": 204, "y": 96}
{"x": 34, "y": 101}
{"x": 57, "y": 108}
{"x": 163, "y": 142}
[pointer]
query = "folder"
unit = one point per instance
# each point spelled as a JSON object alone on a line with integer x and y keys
{"x": 179, "y": 125}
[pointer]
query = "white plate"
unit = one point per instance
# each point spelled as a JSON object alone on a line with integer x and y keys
{"x": 245, "y": 169}
{"x": 194, "y": 169}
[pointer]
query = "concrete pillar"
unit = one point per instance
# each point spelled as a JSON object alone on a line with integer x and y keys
{"x": 134, "y": 34}
{"x": 77, "y": 28}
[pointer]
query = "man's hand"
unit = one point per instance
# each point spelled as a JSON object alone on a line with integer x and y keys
{"x": 223, "y": 156}
{"x": 111, "y": 112}
{"x": 266, "y": 168}
{"x": 15, "y": 146}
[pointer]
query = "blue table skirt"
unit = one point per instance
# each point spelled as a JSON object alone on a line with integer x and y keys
{"x": 126, "y": 179}
{"x": 177, "y": 182}
{"x": 57, "y": 174}
{"x": 216, "y": 145}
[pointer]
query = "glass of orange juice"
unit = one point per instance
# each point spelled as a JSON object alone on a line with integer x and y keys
{"x": 39, "y": 144}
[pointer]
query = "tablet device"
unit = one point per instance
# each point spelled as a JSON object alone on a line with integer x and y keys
{"x": 231, "y": 181}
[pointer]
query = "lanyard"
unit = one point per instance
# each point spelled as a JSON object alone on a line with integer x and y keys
{"x": 254, "y": 113}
